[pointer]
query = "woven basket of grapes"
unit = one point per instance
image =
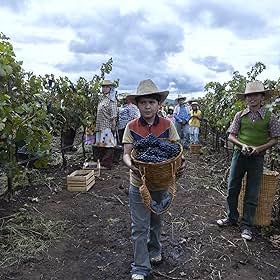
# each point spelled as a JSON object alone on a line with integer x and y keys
{"x": 158, "y": 161}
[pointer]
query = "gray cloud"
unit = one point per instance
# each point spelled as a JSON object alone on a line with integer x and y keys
{"x": 139, "y": 48}
{"x": 14, "y": 5}
{"x": 119, "y": 36}
{"x": 241, "y": 21}
{"x": 81, "y": 64}
{"x": 212, "y": 63}
{"x": 187, "y": 84}
{"x": 36, "y": 39}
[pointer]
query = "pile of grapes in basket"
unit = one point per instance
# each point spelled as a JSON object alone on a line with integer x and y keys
{"x": 152, "y": 149}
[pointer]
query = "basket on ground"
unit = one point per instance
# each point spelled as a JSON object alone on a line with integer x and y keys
{"x": 195, "y": 149}
{"x": 266, "y": 197}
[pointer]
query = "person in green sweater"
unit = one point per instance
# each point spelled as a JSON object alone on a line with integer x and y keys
{"x": 253, "y": 131}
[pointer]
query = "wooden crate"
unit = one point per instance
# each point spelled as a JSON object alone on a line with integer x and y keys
{"x": 195, "y": 149}
{"x": 80, "y": 180}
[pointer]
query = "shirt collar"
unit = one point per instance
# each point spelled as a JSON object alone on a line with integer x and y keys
{"x": 143, "y": 122}
{"x": 261, "y": 112}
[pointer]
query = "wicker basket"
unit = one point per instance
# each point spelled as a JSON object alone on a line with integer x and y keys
{"x": 266, "y": 197}
{"x": 158, "y": 176}
{"x": 195, "y": 149}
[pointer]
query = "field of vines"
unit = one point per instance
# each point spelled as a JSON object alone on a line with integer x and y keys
{"x": 34, "y": 109}
{"x": 86, "y": 236}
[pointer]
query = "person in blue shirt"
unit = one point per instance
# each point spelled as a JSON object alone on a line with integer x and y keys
{"x": 182, "y": 116}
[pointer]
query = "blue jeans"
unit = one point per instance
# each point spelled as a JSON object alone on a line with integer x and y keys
{"x": 253, "y": 166}
{"x": 145, "y": 232}
{"x": 194, "y": 133}
{"x": 184, "y": 133}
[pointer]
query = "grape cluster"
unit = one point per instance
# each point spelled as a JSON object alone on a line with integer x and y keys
{"x": 152, "y": 149}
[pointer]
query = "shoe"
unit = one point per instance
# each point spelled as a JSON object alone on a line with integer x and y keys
{"x": 156, "y": 260}
{"x": 226, "y": 222}
{"x": 137, "y": 277}
{"x": 246, "y": 234}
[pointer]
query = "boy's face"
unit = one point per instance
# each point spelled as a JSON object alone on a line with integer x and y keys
{"x": 254, "y": 99}
{"x": 148, "y": 107}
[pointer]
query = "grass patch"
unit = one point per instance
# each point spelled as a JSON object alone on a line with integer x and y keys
{"x": 26, "y": 235}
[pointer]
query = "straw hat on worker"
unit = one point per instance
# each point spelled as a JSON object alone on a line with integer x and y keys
{"x": 180, "y": 97}
{"x": 107, "y": 83}
{"x": 256, "y": 87}
{"x": 194, "y": 103}
{"x": 148, "y": 87}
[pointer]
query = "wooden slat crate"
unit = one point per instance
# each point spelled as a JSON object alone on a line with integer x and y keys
{"x": 80, "y": 180}
{"x": 195, "y": 149}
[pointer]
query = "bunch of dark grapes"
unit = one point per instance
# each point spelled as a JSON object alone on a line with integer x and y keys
{"x": 152, "y": 149}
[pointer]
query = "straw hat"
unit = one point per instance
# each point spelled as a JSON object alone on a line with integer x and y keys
{"x": 107, "y": 83}
{"x": 194, "y": 103}
{"x": 123, "y": 95}
{"x": 148, "y": 87}
{"x": 181, "y": 97}
{"x": 255, "y": 87}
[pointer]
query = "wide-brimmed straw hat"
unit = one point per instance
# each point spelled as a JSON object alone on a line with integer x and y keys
{"x": 181, "y": 97}
{"x": 123, "y": 95}
{"x": 255, "y": 87}
{"x": 194, "y": 103}
{"x": 148, "y": 87}
{"x": 107, "y": 83}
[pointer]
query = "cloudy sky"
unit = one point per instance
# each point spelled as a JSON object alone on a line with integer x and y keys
{"x": 180, "y": 44}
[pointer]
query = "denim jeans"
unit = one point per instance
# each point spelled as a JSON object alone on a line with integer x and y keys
{"x": 184, "y": 133}
{"x": 145, "y": 231}
{"x": 194, "y": 132}
{"x": 240, "y": 165}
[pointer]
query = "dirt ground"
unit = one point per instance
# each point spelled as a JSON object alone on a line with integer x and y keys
{"x": 95, "y": 243}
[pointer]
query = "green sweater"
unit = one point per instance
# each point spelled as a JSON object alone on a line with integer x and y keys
{"x": 254, "y": 133}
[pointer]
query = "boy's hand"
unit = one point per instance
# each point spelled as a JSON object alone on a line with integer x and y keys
{"x": 246, "y": 150}
{"x": 254, "y": 151}
{"x": 135, "y": 170}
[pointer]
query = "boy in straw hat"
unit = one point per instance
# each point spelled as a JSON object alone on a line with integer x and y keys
{"x": 182, "y": 116}
{"x": 145, "y": 226}
{"x": 253, "y": 131}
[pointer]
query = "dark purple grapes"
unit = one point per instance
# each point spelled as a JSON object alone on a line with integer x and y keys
{"x": 153, "y": 149}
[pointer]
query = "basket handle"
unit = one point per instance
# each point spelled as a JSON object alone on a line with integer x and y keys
{"x": 146, "y": 196}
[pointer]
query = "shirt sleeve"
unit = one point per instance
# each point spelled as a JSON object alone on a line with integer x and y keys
{"x": 235, "y": 125}
{"x": 114, "y": 108}
{"x": 274, "y": 126}
{"x": 127, "y": 136}
{"x": 174, "y": 136}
